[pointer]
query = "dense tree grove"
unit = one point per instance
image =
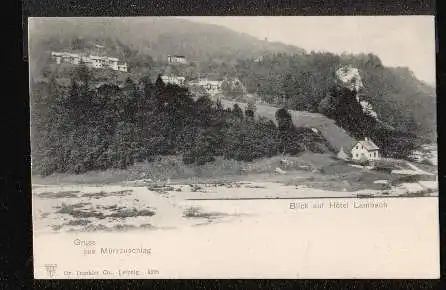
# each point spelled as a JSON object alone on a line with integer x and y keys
{"x": 82, "y": 128}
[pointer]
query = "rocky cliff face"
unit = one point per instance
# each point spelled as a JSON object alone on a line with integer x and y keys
{"x": 350, "y": 78}
{"x": 350, "y": 105}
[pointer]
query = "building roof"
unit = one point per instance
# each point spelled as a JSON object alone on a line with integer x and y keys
{"x": 368, "y": 144}
{"x": 66, "y": 54}
{"x": 166, "y": 77}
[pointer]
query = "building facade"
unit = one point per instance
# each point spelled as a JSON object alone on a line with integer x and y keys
{"x": 365, "y": 150}
{"x": 93, "y": 61}
{"x": 176, "y": 59}
{"x": 212, "y": 87}
{"x": 174, "y": 80}
{"x": 122, "y": 67}
{"x": 65, "y": 57}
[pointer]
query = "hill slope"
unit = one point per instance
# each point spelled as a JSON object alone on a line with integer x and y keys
{"x": 154, "y": 36}
{"x": 335, "y": 135}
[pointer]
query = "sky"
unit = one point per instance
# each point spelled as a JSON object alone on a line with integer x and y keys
{"x": 407, "y": 41}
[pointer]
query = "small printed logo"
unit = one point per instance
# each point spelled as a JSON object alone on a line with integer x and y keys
{"x": 51, "y": 270}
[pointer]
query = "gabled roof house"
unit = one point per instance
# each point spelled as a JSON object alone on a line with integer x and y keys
{"x": 365, "y": 150}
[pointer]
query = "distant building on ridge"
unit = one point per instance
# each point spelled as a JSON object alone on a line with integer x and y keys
{"x": 174, "y": 80}
{"x": 93, "y": 61}
{"x": 176, "y": 59}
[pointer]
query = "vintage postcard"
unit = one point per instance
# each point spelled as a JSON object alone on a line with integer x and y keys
{"x": 234, "y": 147}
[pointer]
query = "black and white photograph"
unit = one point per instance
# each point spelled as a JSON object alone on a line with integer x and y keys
{"x": 203, "y": 147}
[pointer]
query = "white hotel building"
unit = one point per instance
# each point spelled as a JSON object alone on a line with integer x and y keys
{"x": 90, "y": 60}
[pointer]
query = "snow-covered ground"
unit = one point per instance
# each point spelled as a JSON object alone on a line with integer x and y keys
{"x": 114, "y": 207}
{"x": 133, "y": 206}
{"x": 231, "y": 238}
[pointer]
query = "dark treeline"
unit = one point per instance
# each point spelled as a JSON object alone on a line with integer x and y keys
{"x": 78, "y": 129}
{"x": 341, "y": 105}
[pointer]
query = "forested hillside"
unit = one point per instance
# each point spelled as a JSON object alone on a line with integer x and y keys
{"x": 398, "y": 97}
{"x": 86, "y": 119}
{"x": 152, "y": 38}
{"x": 304, "y": 79}
{"x": 80, "y": 128}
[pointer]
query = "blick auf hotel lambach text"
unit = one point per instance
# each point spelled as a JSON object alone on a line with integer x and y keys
{"x": 357, "y": 204}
